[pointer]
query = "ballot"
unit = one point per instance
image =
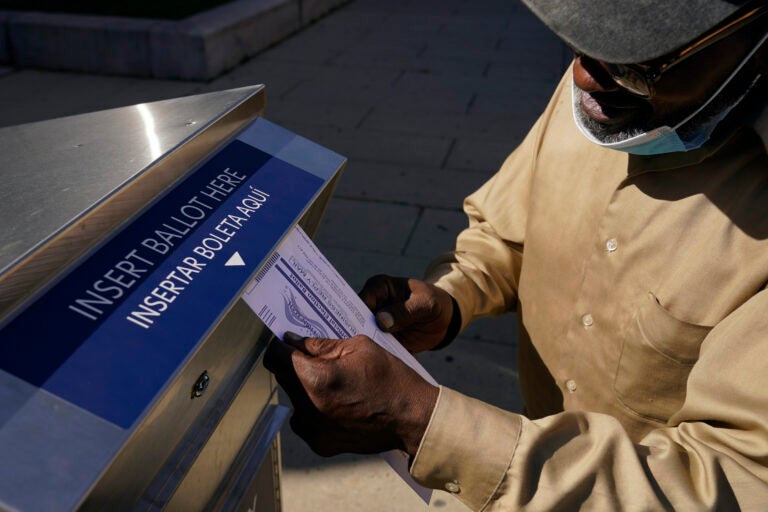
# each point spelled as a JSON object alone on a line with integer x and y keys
{"x": 298, "y": 290}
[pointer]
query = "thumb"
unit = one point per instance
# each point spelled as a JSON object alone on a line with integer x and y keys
{"x": 314, "y": 347}
{"x": 382, "y": 290}
{"x": 394, "y": 318}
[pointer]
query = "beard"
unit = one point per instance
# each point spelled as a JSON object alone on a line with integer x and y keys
{"x": 604, "y": 133}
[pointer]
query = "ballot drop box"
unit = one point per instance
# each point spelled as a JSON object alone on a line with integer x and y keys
{"x": 130, "y": 369}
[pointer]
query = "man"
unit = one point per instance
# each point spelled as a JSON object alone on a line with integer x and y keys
{"x": 633, "y": 244}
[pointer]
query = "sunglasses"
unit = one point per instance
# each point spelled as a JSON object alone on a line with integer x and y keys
{"x": 639, "y": 79}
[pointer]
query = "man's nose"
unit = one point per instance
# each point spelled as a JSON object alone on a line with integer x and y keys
{"x": 589, "y": 76}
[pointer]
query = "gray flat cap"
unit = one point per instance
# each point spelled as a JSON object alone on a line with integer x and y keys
{"x": 630, "y": 31}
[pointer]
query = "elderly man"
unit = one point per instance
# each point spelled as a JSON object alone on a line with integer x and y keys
{"x": 630, "y": 233}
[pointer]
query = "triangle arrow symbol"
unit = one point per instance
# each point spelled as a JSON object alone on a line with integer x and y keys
{"x": 235, "y": 261}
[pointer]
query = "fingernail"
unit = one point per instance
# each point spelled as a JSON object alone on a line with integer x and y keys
{"x": 385, "y": 320}
{"x": 291, "y": 336}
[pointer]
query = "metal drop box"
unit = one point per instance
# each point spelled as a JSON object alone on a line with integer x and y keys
{"x": 130, "y": 370}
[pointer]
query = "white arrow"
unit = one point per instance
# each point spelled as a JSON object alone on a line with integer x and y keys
{"x": 235, "y": 261}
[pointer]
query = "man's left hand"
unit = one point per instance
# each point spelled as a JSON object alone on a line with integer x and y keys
{"x": 351, "y": 395}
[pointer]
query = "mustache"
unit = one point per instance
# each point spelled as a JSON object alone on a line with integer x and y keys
{"x": 603, "y": 132}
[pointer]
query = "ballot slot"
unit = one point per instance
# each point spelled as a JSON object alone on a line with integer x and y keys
{"x": 108, "y": 356}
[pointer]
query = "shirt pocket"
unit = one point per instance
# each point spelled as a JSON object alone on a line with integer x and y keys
{"x": 657, "y": 355}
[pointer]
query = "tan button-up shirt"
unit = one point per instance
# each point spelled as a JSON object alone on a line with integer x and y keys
{"x": 639, "y": 284}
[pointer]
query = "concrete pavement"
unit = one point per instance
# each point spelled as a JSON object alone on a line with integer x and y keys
{"x": 426, "y": 98}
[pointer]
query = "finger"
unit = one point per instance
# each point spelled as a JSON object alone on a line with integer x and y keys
{"x": 295, "y": 391}
{"x": 382, "y": 290}
{"x": 315, "y": 347}
{"x": 395, "y": 317}
{"x": 277, "y": 358}
{"x": 313, "y": 376}
{"x": 293, "y": 339}
{"x": 385, "y": 320}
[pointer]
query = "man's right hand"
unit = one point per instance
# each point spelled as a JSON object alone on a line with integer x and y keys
{"x": 418, "y": 314}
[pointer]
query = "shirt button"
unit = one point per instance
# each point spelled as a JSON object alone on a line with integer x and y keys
{"x": 587, "y": 320}
{"x": 452, "y": 487}
{"x": 611, "y": 244}
{"x": 571, "y": 385}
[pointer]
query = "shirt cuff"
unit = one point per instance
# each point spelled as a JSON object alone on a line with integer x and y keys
{"x": 441, "y": 274}
{"x": 467, "y": 448}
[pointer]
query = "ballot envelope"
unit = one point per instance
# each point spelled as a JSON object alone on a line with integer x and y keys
{"x": 130, "y": 369}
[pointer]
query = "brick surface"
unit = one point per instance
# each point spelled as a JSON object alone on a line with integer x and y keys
{"x": 361, "y": 86}
{"x": 482, "y": 127}
{"x": 326, "y": 119}
{"x": 380, "y": 54}
{"x": 483, "y": 370}
{"x": 500, "y": 330}
{"x": 435, "y": 232}
{"x": 318, "y": 43}
{"x": 403, "y": 184}
{"x": 357, "y": 266}
{"x": 278, "y": 76}
{"x": 361, "y": 225}
{"x": 480, "y": 156}
{"x": 377, "y": 146}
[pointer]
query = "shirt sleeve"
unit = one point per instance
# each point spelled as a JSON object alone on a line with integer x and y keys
{"x": 711, "y": 455}
{"x": 482, "y": 272}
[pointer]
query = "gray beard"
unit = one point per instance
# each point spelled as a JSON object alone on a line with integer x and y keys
{"x": 600, "y": 131}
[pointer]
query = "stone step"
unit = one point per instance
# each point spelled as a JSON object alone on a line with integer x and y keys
{"x": 199, "y": 47}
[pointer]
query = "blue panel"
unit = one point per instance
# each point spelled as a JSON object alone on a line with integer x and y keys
{"x": 14, "y": 393}
{"x": 52, "y": 452}
{"x": 111, "y": 333}
{"x": 293, "y": 149}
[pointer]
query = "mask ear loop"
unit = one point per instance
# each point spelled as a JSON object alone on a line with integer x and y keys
{"x": 725, "y": 83}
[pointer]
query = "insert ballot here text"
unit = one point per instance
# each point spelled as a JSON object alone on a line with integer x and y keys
{"x": 100, "y": 297}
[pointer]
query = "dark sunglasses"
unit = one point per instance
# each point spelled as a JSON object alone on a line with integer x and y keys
{"x": 639, "y": 79}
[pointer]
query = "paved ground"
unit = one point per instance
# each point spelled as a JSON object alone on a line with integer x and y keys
{"x": 426, "y": 98}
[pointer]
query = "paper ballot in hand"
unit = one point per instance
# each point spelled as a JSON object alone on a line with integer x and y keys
{"x": 298, "y": 290}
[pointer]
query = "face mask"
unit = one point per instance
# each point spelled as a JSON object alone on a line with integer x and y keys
{"x": 665, "y": 139}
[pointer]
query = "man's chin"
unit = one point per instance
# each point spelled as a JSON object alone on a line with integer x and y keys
{"x": 607, "y": 133}
{"x": 605, "y": 123}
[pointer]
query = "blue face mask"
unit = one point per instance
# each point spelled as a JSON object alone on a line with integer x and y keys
{"x": 665, "y": 139}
